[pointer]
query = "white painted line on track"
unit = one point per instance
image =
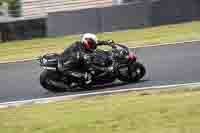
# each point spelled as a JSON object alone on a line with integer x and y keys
{"x": 146, "y": 46}
{"x": 165, "y": 44}
{"x": 23, "y": 60}
{"x": 62, "y": 98}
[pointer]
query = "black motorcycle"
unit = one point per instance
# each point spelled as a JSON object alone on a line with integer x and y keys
{"x": 120, "y": 60}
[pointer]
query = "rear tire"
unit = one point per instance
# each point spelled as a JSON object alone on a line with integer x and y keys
{"x": 46, "y": 79}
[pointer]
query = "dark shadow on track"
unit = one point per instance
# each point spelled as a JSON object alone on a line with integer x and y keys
{"x": 110, "y": 85}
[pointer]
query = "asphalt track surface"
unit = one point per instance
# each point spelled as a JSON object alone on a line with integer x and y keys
{"x": 166, "y": 65}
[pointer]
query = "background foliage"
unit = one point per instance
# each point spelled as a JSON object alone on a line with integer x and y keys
{"x": 13, "y": 7}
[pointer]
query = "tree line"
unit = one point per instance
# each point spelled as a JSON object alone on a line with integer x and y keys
{"x": 13, "y": 7}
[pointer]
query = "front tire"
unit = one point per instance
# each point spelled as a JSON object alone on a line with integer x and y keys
{"x": 137, "y": 71}
{"x": 133, "y": 72}
{"x": 47, "y": 78}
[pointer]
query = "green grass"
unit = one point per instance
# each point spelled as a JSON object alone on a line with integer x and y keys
{"x": 175, "y": 112}
{"x": 29, "y": 49}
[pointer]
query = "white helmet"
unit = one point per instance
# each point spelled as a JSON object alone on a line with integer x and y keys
{"x": 89, "y": 40}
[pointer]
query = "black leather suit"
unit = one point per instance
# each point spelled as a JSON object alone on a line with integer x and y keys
{"x": 72, "y": 60}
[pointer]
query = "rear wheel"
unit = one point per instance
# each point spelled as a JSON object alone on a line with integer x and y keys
{"x": 50, "y": 81}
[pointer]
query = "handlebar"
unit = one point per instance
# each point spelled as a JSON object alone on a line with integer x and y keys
{"x": 119, "y": 48}
{"x": 122, "y": 51}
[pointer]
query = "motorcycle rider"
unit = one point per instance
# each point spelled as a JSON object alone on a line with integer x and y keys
{"x": 72, "y": 60}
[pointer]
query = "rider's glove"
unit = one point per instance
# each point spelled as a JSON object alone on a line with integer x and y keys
{"x": 110, "y": 42}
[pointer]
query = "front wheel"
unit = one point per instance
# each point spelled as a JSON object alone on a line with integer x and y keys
{"x": 137, "y": 71}
{"x": 50, "y": 81}
{"x": 132, "y": 73}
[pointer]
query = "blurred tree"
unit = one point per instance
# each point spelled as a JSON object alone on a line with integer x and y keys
{"x": 7, "y": 1}
{"x": 14, "y": 7}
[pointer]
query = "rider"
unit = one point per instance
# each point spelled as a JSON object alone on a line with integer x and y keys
{"x": 72, "y": 59}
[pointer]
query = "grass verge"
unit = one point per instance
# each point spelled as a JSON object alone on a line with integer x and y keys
{"x": 29, "y": 49}
{"x": 140, "y": 112}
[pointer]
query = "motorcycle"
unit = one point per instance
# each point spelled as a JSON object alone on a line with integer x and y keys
{"x": 121, "y": 62}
